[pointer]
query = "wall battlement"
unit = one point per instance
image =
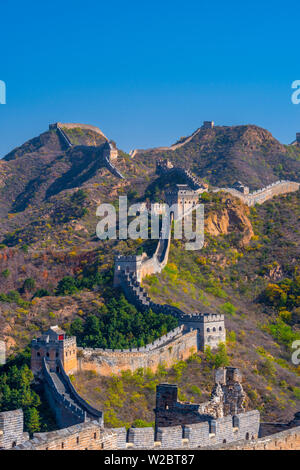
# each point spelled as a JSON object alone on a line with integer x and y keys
{"x": 167, "y": 351}
{"x": 262, "y": 195}
{"x": 177, "y": 425}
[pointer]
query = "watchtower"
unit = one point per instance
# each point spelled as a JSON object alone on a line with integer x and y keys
{"x": 127, "y": 264}
{"x": 208, "y": 124}
{"x": 241, "y": 187}
{"x": 184, "y": 197}
{"x": 163, "y": 165}
{"x": 55, "y": 347}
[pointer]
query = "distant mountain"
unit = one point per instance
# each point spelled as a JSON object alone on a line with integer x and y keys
{"x": 38, "y": 178}
{"x": 224, "y": 155}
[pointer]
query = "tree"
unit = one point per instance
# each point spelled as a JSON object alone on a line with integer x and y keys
{"x": 6, "y": 273}
{"x": 66, "y": 286}
{"x": 33, "y": 421}
{"x": 28, "y": 285}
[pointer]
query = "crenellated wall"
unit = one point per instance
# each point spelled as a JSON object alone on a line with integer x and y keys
{"x": 84, "y": 436}
{"x": 264, "y": 194}
{"x": 285, "y": 440}
{"x": 176, "y": 345}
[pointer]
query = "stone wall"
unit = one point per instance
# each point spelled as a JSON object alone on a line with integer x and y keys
{"x": 227, "y": 399}
{"x": 141, "y": 265}
{"x": 285, "y": 440}
{"x": 85, "y": 436}
{"x": 193, "y": 436}
{"x": 264, "y": 194}
{"x": 166, "y": 350}
{"x": 67, "y": 405}
{"x": 11, "y": 429}
{"x": 228, "y": 433}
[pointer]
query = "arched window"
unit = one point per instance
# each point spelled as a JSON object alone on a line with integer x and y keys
{"x": 220, "y": 328}
{"x": 214, "y": 329}
{"x": 208, "y": 330}
{"x": 247, "y": 436}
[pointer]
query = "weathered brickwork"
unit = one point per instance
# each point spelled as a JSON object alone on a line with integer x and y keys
{"x": 224, "y": 434}
{"x": 139, "y": 438}
{"x": 285, "y": 440}
{"x": 53, "y": 357}
{"x": 11, "y": 429}
{"x": 233, "y": 432}
{"x": 85, "y": 436}
{"x": 227, "y": 399}
{"x": 195, "y": 333}
{"x": 53, "y": 345}
{"x": 166, "y": 351}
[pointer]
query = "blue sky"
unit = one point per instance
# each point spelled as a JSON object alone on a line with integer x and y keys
{"x": 148, "y": 73}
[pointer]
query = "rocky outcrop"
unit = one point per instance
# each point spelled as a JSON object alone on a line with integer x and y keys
{"x": 232, "y": 217}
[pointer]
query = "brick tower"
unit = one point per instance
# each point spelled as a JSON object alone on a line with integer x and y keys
{"x": 55, "y": 347}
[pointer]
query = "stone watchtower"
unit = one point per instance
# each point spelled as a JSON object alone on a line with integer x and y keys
{"x": 127, "y": 264}
{"x": 239, "y": 186}
{"x": 208, "y": 125}
{"x": 184, "y": 197}
{"x": 210, "y": 326}
{"x": 54, "y": 346}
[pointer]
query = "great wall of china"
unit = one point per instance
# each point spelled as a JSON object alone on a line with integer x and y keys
{"x": 163, "y": 167}
{"x": 222, "y": 422}
{"x": 262, "y": 195}
{"x": 184, "y": 141}
{"x": 110, "y": 153}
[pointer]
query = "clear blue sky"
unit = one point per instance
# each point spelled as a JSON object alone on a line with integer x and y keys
{"x": 149, "y": 72}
